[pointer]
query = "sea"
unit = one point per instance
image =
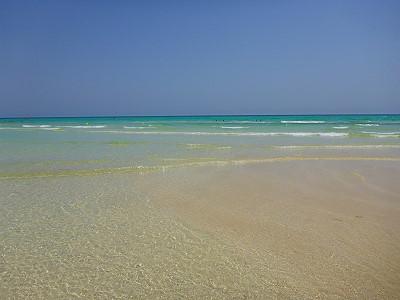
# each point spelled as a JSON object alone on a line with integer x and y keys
{"x": 200, "y": 207}
{"x": 45, "y": 147}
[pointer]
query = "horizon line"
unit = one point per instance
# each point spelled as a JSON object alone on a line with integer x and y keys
{"x": 199, "y": 115}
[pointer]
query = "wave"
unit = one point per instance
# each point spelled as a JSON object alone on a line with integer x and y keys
{"x": 386, "y": 135}
{"x": 51, "y": 129}
{"x": 234, "y": 127}
{"x": 340, "y": 127}
{"x": 208, "y": 122}
{"x": 294, "y": 134}
{"x": 136, "y": 127}
{"x": 199, "y": 163}
{"x": 303, "y": 122}
{"x": 85, "y": 126}
{"x": 383, "y": 134}
{"x": 35, "y": 126}
{"x": 42, "y": 127}
{"x": 207, "y": 147}
{"x": 368, "y": 125}
{"x": 248, "y": 122}
{"x": 338, "y": 146}
{"x": 324, "y": 134}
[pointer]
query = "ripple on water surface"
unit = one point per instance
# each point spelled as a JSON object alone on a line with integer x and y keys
{"x": 98, "y": 238}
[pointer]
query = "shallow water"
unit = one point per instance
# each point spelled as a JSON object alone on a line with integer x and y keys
{"x": 64, "y": 145}
{"x": 200, "y": 207}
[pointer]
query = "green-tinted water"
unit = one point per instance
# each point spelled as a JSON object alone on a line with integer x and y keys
{"x": 214, "y": 207}
{"x": 61, "y": 145}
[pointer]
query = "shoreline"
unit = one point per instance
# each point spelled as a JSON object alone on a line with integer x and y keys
{"x": 249, "y": 230}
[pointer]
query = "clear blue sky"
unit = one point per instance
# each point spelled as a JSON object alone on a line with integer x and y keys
{"x": 62, "y": 58}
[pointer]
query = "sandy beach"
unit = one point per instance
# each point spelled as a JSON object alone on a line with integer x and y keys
{"x": 200, "y": 150}
{"x": 290, "y": 230}
{"x": 228, "y": 207}
{"x": 320, "y": 229}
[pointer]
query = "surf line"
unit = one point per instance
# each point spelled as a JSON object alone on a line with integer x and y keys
{"x": 147, "y": 169}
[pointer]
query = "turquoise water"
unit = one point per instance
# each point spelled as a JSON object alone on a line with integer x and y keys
{"x": 208, "y": 207}
{"x": 48, "y": 146}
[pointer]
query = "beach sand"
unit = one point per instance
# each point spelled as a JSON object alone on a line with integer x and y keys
{"x": 320, "y": 229}
{"x": 286, "y": 230}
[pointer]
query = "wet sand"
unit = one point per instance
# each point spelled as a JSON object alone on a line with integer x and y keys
{"x": 320, "y": 229}
{"x": 287, "y": 230}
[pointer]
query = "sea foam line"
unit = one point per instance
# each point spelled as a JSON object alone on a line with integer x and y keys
{"x": 145, "y": 169}
{"x": 385, "y": 135}
{"x": 382, "y": 133}
{"x": 368, "y": 125}
{"x": 38, "y": 127}
{"x": 337, "y": 146}
{"x": 303, "y": 122}
{"x": 244, "y": 121}
{"x": 35, "y": 126}
{"x": 84, "y": 126}
{"x": 11, "y": 128}
{"x": 294, "y": 134}
{"x": 51, "y": 128}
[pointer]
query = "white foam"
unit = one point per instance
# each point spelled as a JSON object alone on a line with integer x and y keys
{"x": 368, "y": 125}
{"x": 35, "y": 126}
{"x": 136, "y": 127}
{"x": 234, "y": 127}
{"x": 302, "y": 122}
{"x": 52, "y": 128}
{"x": 385, "y": 135}
{"x": 337, "y": 146}
{"x": 340, "y": 127}
{"x": 214, "y": 121}
{"x": 249, "y": 122}
{"x": 85, "y": 126}
{"x": 196, "y": 146}
{"x": 382, "y": 133}
{"x": 325, "y": 134}
{"x": 294, "y": 134}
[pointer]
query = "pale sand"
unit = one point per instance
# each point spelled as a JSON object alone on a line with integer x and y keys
{"x": 287, "y": 229}
{"x": 320, "y": 229}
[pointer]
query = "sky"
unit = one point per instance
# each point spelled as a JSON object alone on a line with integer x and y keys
{"x": 100, "y": 58}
